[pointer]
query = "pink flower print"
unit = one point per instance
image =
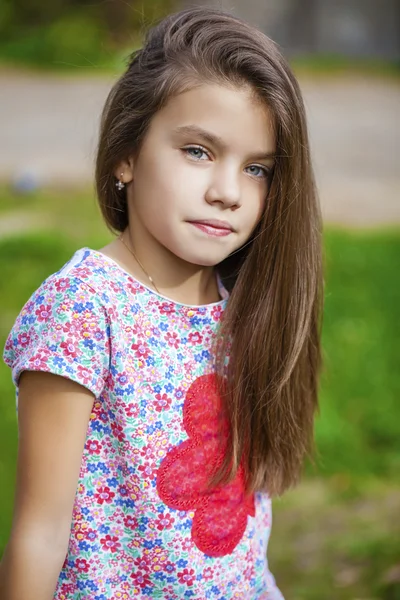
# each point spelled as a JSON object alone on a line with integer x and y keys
{"x": 195, "y": 337}
{"x": 169, "y": 567}
{"x": 142, "y": 562}
{"x": 208, "y": 573}
{"x": 98, "y": 412}
{"x": 84, "y": 272}
{"x": 80, "y": 530}
{"x": 104, "y": 494}
{"x": 186, "y": 576}
{"x": 84, "y": 374}
{"x": 39, "y": 361}
{"x": 166, "y": 308}
{"x": 62, "y": 284}
{"x": 130, "y": 522}
{"x": 115, "y": 287}
{"x": 90, "y": 535}
{"x": 111, "y": 543}
{"x": 71, "y": 327}
{"x": 43, "y": 312}
{"x": 67, "y": 589}
{"x": 82, "y": 565}
{"x": 141, "y": 350}
{"x": 69, "y": 349}
{"x": 220, "y": 515}
{"x": 98, "y": 334}
{"x": 147, "y": 452}
{"x": 162, "y": 402}
{"x": 141, "y": 579}
{"x": 147, "y": 470}
{"x": 23, "y": 339}
{"x": 216, "y": 313}
{"x": 164, "y": 521}
{"x": 93, "y": 446}
{"x": 132, "y": 288}
{"x": 186, "y": 544}
{"x": 122, "y": 379}
{"x": 172, "y": 339}
{"x": 133, "y": 489}
{"x": 118, "y": 431}
{"x": 159, "y": 556}
{"x": 132, "y": 410}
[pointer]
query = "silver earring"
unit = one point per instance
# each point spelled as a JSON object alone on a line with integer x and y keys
{"x": 120, "y": 184}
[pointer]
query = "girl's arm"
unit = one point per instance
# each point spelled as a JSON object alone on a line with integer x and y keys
{"x": 53, "y": 416}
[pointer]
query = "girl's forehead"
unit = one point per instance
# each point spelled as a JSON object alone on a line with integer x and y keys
{"x": 230, "y": 114}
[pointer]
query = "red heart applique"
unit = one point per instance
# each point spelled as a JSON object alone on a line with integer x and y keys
{"x": 220, "y": 517}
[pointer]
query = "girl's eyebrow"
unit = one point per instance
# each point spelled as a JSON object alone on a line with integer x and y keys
{"x": 211, "y": 138}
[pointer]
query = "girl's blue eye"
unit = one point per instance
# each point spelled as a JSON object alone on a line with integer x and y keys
{"x": 196, "y": 152}
{"x": 258, "y": 171}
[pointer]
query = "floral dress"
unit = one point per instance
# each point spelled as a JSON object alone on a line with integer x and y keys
{"x": 143, "y": 524}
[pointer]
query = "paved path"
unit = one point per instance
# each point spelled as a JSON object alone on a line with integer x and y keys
{"x": 48, "y": 125}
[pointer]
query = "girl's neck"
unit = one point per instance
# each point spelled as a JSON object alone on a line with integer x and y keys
{"x": 175, "y": 279}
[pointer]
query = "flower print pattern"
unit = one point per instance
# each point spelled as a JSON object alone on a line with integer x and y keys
{"x": 142, "y": 525}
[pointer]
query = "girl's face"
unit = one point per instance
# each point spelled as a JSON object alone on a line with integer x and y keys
{"x": 206, "y": 156}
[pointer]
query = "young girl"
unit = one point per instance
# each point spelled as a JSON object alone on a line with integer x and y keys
{"x": 167, "y": 383}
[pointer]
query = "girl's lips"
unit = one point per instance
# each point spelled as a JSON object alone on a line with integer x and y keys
{"x": 211, "y": 230}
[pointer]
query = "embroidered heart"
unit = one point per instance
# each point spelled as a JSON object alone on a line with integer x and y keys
{"x": 220, "y": 517}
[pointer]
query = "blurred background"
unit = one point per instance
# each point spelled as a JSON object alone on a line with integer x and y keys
{"x": 337, "y": 536}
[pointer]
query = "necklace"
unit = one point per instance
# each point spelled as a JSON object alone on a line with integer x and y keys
{"x": 140, "y": 264}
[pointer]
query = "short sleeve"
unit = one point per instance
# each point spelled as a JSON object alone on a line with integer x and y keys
{"x": 63, "y": 329}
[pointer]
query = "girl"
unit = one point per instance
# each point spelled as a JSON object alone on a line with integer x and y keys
{"x": 167, "y": 383}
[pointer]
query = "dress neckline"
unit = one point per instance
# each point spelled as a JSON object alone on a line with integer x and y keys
{"x": 221, "y": 288}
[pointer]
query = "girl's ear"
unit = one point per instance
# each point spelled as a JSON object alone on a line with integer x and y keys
{"x": 124, "y": 170}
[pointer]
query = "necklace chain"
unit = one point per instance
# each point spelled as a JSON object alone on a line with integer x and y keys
{"x": 139, "y": 263}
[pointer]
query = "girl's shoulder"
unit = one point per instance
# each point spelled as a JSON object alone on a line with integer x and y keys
{"x": 88, "y": 267}
{"x": 64, "y": 327}
{"x": 88, "y": 273}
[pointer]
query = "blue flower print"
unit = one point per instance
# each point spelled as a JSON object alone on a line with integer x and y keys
{"x": 104, "y": 528}
{"x": 182, "y": 563}
{"x": 147, "y": 590}
{"x": 79, "y": 307}
{"x": 83, "y": 545}
{"x": 92, "y": 586}
{"x": 195, "y": 320}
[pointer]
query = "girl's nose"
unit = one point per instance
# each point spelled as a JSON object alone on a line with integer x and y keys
{"x": 224, "y": 188}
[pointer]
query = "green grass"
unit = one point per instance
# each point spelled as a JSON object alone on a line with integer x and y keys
{"x": 336, "y": 536}
{"x": 358, "y": 431}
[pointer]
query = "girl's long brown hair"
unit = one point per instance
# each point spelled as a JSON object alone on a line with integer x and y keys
{"x": 271, "y": 326}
